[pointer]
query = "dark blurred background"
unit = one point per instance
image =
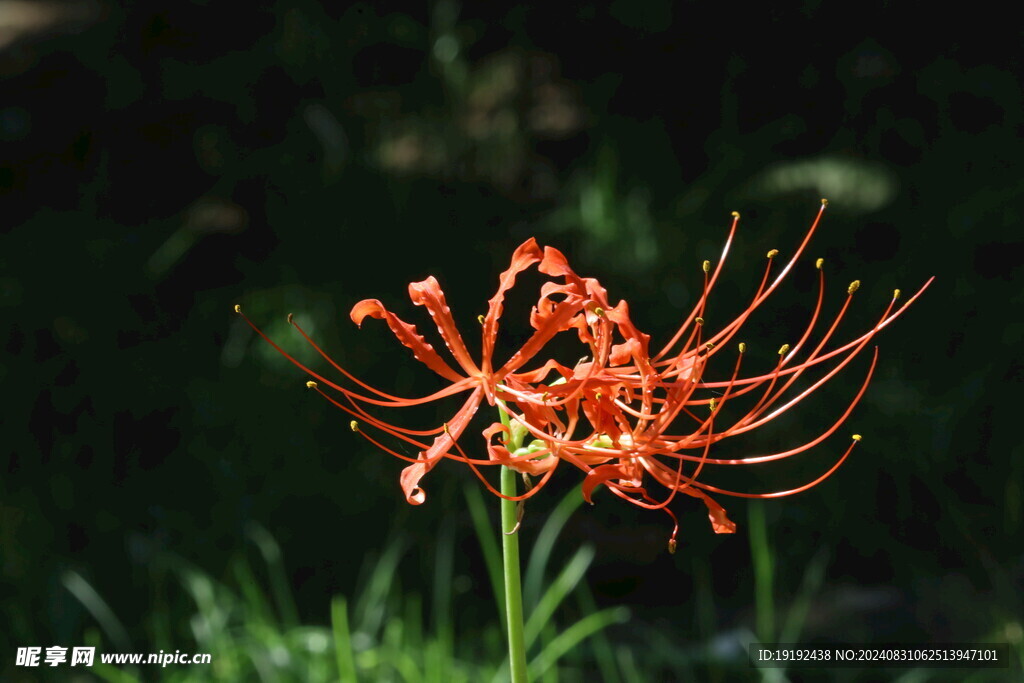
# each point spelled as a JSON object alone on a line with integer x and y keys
{"x": 162, "y": 162}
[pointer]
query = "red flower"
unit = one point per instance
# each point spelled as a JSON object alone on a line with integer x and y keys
{"x": 622, "y": 414}
{"x": 482, "y": 381}
{"x": 635, "y": 402}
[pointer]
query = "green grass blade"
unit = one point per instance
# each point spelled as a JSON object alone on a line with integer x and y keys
{"x": 814, "y": 577}
{"x": 761, "y": 555}
{"x": 372, "y": 605}
{"x": 98, "y": 608}
{"x": 396, "y": 656}
{"x": 540, "y": 555}
{"x": 343, "y": 641}
{"x": 111, "y": 674}
{"x": 488, "y": 546}
{"x": 603, "y": 651}
{"x": 444, "y": 563}
{"x": 548, "y": 634}
{"x": 704, "y": 594}
{"x": 108, "y": 672}
{"x": 252, "y": 596}
{"x": 573, "y": 636}
{"x": 559, "y": 589}
{"x": 627, "y": 663}
{"x": 279, "y": 583}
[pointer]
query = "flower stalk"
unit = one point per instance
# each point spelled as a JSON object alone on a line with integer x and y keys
{"x": 510, "y": 562}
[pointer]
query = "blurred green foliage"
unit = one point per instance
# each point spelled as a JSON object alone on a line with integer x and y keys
{"x": 383, "y": 635}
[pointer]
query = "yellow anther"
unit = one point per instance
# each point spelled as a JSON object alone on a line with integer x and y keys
{"x": 289, "y": 318}
{"x": 598, "y": 396}
{"x": 743, "y": 347}
{"x": 706, "y": 266}
{"x": 819, "y": 263}
{"x": 311, "y": 384}
{"x": 854, "y": 286}
{"x": 784, "y": 349}
{"x": 354, "y": 426}
{"x": 896, "y": 294}
{"x": 711, "y": 404}
{"x": 735, "y": 214}
{"x": 824, "y": 202}
{"x": 699, "y": 320}
{"x": 857, "y": 437}
{"x": 671, "y": 546}
{"x": 599, "y": 312}
{"x": 445, "y": 425}
{"x": 238, "y": 309}
{"x": 480, "y": 319}
{"x": 773, "y": 253}
{"x": 709, "y": 345}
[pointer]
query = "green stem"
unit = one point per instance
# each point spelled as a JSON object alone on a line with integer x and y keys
{"x": 510, "y": 551}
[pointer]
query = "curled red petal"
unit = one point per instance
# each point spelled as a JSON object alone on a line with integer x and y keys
{"x": 498, "y": 453}
{"x": 538, "y": 375}
{"x": 411, "y": 475}
{"x": 410, "y": 480}
{"x": 621, "y": 353}
{"x": 527, "y": 254}
{"x": 604, "y": 416}
{"x": 620, "y": 316}
{"x": 600, "y": 475}
{"x": 429, "y": 295}
{"x": 367, "y": 307}
{"x": 716, "y": 513}
{"x": 555, "y": 263}
{"x": 495, "y": 428}
{"x": 407, "y": 334}
{"x": 551, "y": 325}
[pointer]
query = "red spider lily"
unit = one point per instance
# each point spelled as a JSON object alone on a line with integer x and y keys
{"x": 634, "y": 401}
{"x": 622, "y": 414}
{"x": 482, "y": 381}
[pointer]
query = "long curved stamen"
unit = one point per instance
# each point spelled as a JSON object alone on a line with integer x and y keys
{"x": 381, "y": 446}
{"x": 842, "y": 349}
{"x": 832, "y": 373}
{"x": 359, "y": 412}
{"x": 707, "y": 289}
{"x": 764, "y": 295}
{"x": 393, "y": 401}
{"x": 724, "y": 335}
{"x": 781, "y": 494}
{"x": 350, "y": 376}
{"x": 670, "y": 448}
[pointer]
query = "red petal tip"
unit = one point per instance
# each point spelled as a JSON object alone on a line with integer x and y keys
{"x": 366, "y": 307}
